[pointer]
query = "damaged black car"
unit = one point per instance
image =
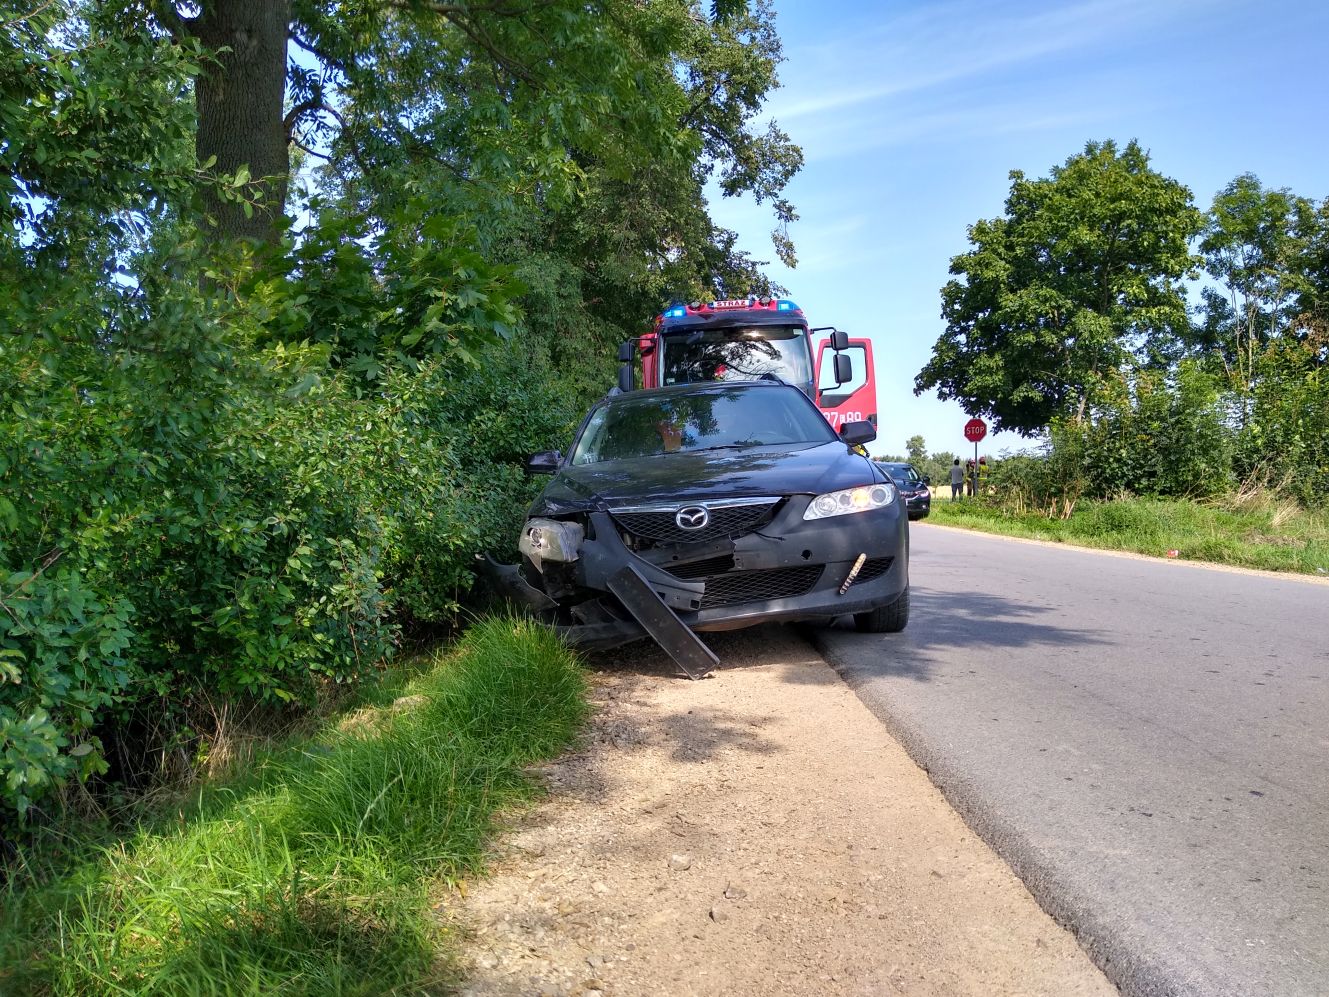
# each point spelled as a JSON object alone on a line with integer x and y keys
{"x": 711, "y": 506}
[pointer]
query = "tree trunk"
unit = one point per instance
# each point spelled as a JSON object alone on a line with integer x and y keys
{"x": 240, "y": 99}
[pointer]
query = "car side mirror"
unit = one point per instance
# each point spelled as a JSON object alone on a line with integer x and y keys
{"x": 927, "y": 479}
{"x": 858, "y": 433}
{"x": 545, "y": 462}
{"x": 839, "y": 340}
{"x": 844, "y": 369}
{"x": 626, "y": 351}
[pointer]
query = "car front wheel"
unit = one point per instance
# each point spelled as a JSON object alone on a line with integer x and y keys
{"x": 885, "y": 619}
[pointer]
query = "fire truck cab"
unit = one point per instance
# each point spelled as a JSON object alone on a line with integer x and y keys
{"x": 753, "y": 338}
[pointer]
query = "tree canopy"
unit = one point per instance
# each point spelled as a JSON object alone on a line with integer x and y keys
{"x": 1082, "y": 272}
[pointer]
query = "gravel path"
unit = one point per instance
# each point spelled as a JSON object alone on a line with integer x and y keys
{"x": 755, "y": 833}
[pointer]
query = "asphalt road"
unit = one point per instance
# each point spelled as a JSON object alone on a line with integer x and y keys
{"x": 1145, "y": 742}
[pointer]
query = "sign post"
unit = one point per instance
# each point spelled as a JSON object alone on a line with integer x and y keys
{"x": 974, "y": 431}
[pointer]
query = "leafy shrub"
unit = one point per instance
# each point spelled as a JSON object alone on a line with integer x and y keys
{"x": 1156, "y": 436}
{"x": 1285, "y": 441}
{"x": 246, "y": 521}
{"x": 61, "y": 663}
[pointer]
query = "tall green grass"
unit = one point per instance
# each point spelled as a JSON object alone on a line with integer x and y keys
{"x": 1251, "y": 530}
{"x": 315, "y": 873}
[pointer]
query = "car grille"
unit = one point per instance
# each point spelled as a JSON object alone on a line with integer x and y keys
{"x": 659, "y": 525}
{"x": 874, "y": 567}
{"x": 758, "y": 586}
{"x": 701, "y": 569}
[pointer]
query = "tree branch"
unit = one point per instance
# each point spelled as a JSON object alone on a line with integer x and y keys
{"x": 313, "y": 152}
{"x": 318, "y": 53}
{"x": 458, "y": 14}
{"x": 177, "y": 26}
{"x": 702, "y": 101}
{"x": 314, "y": 103}
{"x": 23, "y": 17}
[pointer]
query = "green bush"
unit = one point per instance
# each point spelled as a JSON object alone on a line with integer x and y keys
{"x": 1285, "y": 441}
{"x": 184, "y": 512}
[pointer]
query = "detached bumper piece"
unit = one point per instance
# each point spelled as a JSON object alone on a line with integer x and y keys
{"x": 508, "y": 580}
{"x": 649, "y": 593}
{"x": 661, "y": 622}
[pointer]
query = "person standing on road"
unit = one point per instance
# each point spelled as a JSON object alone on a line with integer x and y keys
{"x": 957, "y": 479}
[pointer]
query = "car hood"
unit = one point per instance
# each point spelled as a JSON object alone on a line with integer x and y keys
{"x": 696, "y": 477}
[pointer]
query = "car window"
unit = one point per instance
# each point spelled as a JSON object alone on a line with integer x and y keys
{"x": 643, "y": 426}
{"x": 902, "y": 475}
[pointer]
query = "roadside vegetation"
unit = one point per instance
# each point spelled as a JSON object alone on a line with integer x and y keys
{"x": 319, "y": 866}
{"x": 1173, "y": 362}
{"x": 288, "y": 290}
{"x": 1260, "y": 531}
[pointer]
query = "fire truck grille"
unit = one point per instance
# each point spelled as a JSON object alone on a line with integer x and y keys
{"x": 758, "y": 586}
{"x": 725, "y": 521}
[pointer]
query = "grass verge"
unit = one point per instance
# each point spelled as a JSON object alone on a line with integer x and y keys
{"x": 317, "y": 872}
{"x": 1254, "y": 532}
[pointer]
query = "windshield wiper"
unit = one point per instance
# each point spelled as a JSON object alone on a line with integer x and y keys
{"x": 726, "y": 446}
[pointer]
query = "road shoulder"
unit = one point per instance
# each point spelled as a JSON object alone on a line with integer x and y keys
{"x": 757, "y": 832}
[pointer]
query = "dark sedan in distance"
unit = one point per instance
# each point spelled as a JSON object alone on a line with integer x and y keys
{"x": 912, "y": 485}
{"x": 711, "y": 506}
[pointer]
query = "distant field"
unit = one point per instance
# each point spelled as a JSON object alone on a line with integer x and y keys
{"x": 1258, "y": 533}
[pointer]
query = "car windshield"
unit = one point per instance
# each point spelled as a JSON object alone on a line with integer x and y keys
{"x": 902, "y": 475}
{"x": 741, "y": 354}
{"x": 724, "y": 419}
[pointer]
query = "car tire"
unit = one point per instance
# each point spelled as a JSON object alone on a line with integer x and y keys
{"x": 889, "y": 619}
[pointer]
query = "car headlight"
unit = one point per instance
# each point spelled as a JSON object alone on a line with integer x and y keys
{"x": 849, "y": 500}
{"x": 550, "y": 540}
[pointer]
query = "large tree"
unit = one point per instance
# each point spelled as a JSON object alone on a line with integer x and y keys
{"x": 1081, "y": 274}
{"x": 1255, "y": 244}
{"x": 506, "y": 97}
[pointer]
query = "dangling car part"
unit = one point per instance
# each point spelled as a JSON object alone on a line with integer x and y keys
{"x": 709, "y": 506}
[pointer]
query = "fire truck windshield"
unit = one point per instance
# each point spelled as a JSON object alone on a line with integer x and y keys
{"x": 744, "y": 353}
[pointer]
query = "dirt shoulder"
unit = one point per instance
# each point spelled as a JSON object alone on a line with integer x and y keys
{"x": 754, "y": 833}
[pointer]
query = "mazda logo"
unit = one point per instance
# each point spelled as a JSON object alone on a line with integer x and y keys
{"x": 692, "y": 517}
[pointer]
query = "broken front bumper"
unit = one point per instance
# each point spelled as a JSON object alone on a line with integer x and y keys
{"x": 790, "y": 569}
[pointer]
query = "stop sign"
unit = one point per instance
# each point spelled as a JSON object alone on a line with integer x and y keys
{"x": 975, "y": 430}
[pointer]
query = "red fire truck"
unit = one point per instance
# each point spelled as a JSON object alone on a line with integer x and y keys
{"x": 748, "y": 338}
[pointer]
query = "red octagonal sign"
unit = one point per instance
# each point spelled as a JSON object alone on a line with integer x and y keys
{"x": 975, "y": 430}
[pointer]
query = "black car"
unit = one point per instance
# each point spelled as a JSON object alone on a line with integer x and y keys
{"x": 711, "y": 506}
{"x": 912, "y": 485}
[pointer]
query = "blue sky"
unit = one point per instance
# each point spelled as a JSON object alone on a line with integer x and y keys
{"x": 911, "y": 115}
